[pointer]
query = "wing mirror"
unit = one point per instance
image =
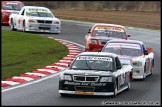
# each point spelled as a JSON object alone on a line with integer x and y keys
{"x": 89, "y": 31}
{"x": 119, "y": 67}
{"x": 145, "y": 52}
{"x": 149, "y": 50}
{"x": 99, "y": 50}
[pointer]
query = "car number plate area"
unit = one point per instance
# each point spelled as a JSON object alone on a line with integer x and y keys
{"x": 44, "y": 25}
{"x": 84, "y": 93}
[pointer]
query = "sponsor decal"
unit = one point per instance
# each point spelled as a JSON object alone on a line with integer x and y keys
{"x": 84, "y": 93}
{"x": 84, "y": 84}
{"x": 37, "y": 10}
{"x": 112, "y": 28}
{"x": 94, "y": 58}
{"x": 124, "y": 45}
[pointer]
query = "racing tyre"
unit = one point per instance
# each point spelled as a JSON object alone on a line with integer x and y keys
{"x": 115, "y": 90}
{"x": 12, "y": 26}
{"x": 144, "y": 76}
{"x": 128, "y": 84}
{"x": 63, "y": 95}
{"x": 24, "y": 27}
{"x": 152, "y": 67}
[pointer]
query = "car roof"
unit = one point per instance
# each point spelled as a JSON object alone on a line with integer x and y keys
{"x": 126, "y": 41}
{"x": 10, "y": 2}
{"x": 99, "y": 54}
{"x": 34, "y": 7}
{"x": 106, "y": 24}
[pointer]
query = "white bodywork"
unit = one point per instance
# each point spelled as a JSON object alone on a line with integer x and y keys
{"x": 24, "y": 22}
{"x": 146, "y": 67}
{"x": 142, "y": 65}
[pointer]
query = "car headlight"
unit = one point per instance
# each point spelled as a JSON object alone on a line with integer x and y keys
{"x": 106, "y": 79}
{"x": 136, "y": 63}
{"x": 7, "y": 14}
{"x": 56, "y": 22}
{"x": 30, "y": 20}
{"x": 65, "y": 77}
{"x": 93, "y": 41}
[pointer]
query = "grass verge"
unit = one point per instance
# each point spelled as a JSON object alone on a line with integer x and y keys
{"x": 23, "y": 52}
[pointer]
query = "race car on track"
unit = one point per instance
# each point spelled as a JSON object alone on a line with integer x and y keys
{"x": 135, "y": 53}
{"x": 8, "y": 7}
{"x": 95, "y": 73}
{"x": 101, "y": 33}
{"x": 36, "y": 19}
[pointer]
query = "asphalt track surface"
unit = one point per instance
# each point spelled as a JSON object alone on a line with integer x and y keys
{"x": 45, "y": 92}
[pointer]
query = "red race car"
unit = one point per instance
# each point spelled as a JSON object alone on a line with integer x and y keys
{"x": 101, "y": 33}
{"x": 8, "y": 7}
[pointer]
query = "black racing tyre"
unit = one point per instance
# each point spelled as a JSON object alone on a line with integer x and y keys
{"x": 24, "y": 27}
{"x": 152, "y": 66}
{"x": 128, "y": 84}
{"x": 144, "y": 73}
{"x": 115, "y": 89}
{"x": 12, "y": 25}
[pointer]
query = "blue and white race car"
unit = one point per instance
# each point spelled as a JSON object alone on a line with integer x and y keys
{"x": 135, "y": 53}
{"x": 35, "y": 19}
{"x": 95, "y": 73}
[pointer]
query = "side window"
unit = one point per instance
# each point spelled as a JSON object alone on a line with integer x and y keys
{"x": 143, "y": 47}
{"x": 118, "y": 64}
{"x": 23, "y": 12}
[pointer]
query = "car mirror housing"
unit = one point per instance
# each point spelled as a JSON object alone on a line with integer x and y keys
{"x": 145, "y": 52}
{"x": 89, "y": 31}
{"x": 149, "y": 50}
{"x": 119, "y": 67}
{"x": 99, "y": 50}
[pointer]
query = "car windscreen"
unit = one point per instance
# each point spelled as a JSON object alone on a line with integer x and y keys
{"x": 127, "y": 49}
{"x": 39, "y": 14}
{"x": 107, "y": 31}
{"x": 96, "y": 63}
{"x": 12, "y": 7}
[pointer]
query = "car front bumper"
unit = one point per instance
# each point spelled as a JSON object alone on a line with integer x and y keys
{"x": 37, "y": 27}
{"x": 86, "y": 93}
{"x": 138, "y": 72}
{"x": 88, "y": 88}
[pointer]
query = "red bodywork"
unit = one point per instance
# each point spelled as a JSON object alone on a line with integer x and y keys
{"x": 96, "y": 46}
{"x": 6, "y": 13}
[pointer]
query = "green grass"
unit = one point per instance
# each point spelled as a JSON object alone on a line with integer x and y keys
{"x": 23, "y": 52}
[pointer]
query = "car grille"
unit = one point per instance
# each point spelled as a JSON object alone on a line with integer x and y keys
{"x": 44, "y": 21}
{"x": 86, "y": 78}
{"x": 103, "y": 42}
{"x": 84, "y": 88}
{"x": 44, "y": 28}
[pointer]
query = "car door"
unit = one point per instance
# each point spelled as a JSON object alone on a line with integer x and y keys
{"x": 21, "y": 19}
{"x": 149, "y": 62}
{"x": 120, "y": 74}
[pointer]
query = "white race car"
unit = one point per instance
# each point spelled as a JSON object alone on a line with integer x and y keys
{"x": 37, "y": 19}
{"x": 135, "y": 53}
